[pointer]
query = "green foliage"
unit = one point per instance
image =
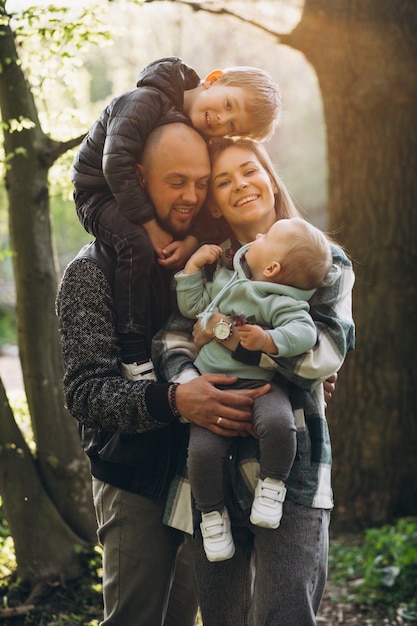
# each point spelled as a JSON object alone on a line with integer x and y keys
{"x": 101, "y": 85}
{"x": 382, "y": 572}
{"x": 69, "y": 235}
{"x": 7, "y": 559}
{"x": 53, "y": 42}
{"x": 77, "y": 604}
{"x": 390, "y": 561}
{"x": 7, "y": 327}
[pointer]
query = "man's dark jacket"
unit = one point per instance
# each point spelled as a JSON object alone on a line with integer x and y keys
{"x": 127, "y": 428}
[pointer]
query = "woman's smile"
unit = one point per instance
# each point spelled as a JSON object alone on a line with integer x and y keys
{"x": 246, "y": 199}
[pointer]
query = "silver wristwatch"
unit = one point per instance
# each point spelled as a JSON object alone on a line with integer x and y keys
{"x": 222, "y": 330}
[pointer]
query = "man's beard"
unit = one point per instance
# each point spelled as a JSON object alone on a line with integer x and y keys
{"x": 175, "y": 230}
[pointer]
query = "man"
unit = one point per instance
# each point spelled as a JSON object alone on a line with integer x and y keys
{"x": 131, "y": 429}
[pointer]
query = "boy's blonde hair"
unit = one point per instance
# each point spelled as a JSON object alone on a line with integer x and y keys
{"x": 265, "y": 105}
{"x": 308, "y": 259}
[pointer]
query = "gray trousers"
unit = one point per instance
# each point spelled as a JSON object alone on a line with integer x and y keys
{"x": 275, "y": 578}
{"x": 147, "y": 575}
{"x": 274, "y": 423}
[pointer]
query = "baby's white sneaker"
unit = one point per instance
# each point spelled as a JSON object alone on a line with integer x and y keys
{"x": 267, "y": 504}
{"x": 143, "y": 371}
{"x": 217, "y": 536}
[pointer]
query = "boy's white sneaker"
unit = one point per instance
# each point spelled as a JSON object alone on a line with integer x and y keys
{"x": 267, "y": 504}
{"x": 143, "y": 371}
{"x": 217, "y": 536}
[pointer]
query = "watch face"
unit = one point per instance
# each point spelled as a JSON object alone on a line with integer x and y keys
{"x": 222, "y": 331}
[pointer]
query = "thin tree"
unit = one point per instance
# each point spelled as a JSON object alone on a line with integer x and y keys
{"x": 57, "y": 480}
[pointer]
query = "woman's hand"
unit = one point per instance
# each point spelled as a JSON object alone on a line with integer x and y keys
{"x": 202, "y": 336}
{"x": 329, "y": 386}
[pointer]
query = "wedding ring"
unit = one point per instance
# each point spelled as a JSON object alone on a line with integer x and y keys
{"x": 219, "y": 421}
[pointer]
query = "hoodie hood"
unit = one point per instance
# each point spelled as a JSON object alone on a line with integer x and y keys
{"x": 171, "y": 76}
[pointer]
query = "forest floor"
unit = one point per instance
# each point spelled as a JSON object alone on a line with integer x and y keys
{"x": 62, "y": 608}
{"x": 335, "y": 611}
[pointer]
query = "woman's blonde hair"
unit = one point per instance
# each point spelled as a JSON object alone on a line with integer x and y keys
{"x": 284, "y": 204}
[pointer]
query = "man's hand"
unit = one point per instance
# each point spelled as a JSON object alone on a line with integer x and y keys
{"x": 224, "y": 412}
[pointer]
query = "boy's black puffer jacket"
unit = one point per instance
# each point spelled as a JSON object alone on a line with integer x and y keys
{"x": 109, "y": 153}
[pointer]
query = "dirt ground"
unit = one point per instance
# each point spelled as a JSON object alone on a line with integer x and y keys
{"x": 334, "y": 612}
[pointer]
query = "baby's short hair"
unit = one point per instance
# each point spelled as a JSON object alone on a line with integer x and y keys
{"x": 264, "y": 106}
{"x": 309, "y": 257}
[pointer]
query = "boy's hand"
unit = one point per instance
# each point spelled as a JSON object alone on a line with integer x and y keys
{"x": 208, "y": 253}
{"x": 177, "y": 253}
{"x": 159, "y": 237}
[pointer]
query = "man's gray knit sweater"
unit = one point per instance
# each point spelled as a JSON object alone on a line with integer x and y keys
{"x": 127, "y": 428}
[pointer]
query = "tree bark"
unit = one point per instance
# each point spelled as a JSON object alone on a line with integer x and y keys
{"x": 365, "y": 56}
{"x": 61, "y": 464}
{"x": 44, "y": 545}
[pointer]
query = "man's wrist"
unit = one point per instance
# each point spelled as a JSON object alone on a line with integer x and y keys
{"x": 172, "y": 400}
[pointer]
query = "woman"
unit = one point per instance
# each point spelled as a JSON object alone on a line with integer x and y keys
{"x": 276, "y": 576}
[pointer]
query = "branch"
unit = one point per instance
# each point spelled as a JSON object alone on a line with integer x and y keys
{"x": 62, "y": 146}
{"x": 201, "y": 6}
{"x": 16, "y": 611}
{"x": 52, "y": 149}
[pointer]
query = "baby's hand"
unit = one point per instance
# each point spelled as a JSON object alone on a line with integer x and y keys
{"x": 252, "y": 337}
{"x": 208, "y": 253}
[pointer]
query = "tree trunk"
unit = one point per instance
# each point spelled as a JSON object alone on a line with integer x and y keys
{"x": 44, "y": 544}
{"x": 61, "y": 464}
{"x": 365, "y": 56}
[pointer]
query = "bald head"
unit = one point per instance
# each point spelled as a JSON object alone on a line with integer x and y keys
{"x": 177, "y": 137}
{"x": 175, "y": 171}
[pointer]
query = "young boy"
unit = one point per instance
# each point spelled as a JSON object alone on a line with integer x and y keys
{"x": 109, "y": 198}
{"x": 273, "y": 279}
